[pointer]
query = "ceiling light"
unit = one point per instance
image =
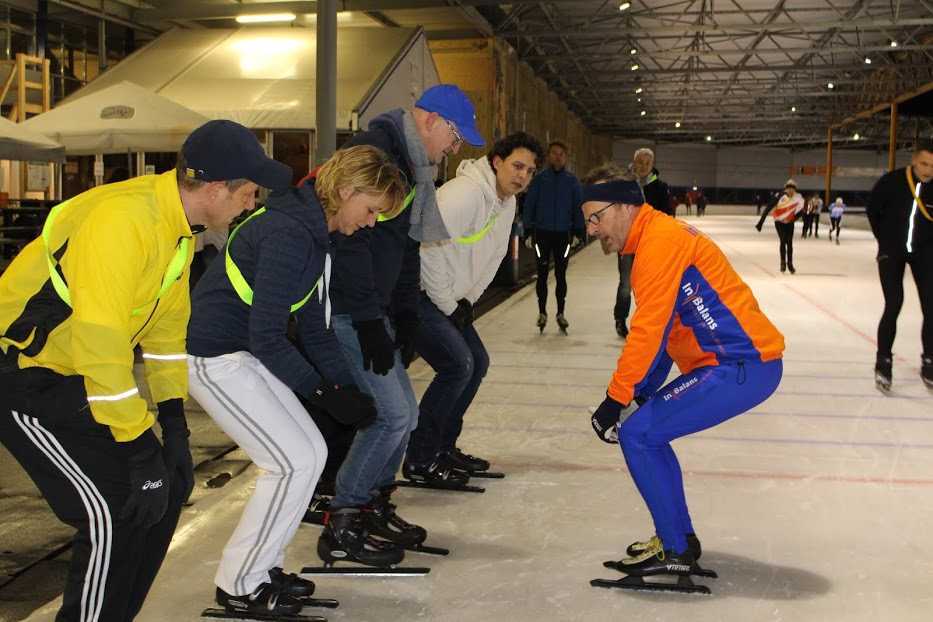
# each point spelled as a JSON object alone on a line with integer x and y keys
{"x": 265, "y": 18}
{"x": 643, "y": 113}
{"x": 625, "y": 6}
{"x": 793, "y": 108}
{"x": 709, "y": 138}
{"x": 893, "y": 43}
{"x": 677, "y": 124}
{"x": 639, "y": 100}
{"x": 867, "y": 61}
{"x": 830, "y": 85}
{"x": 638, "y": 90}
{"x": 633, "y": 51}
{"x": 856, "y": 136}
{"x": 635, "y": 67}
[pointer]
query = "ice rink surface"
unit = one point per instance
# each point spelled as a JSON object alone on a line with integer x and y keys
{"x": 815, "y": 506}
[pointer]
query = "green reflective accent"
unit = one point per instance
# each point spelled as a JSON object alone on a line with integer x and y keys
{"x": 240, "y": 286}
{"x": 172, "y": 273}
{"x": 479, "y": 235}
{"x": 651, "y": 178}
{"x": 408, "y": 200}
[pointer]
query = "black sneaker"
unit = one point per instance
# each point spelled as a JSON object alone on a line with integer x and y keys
{"x": 266, "y": 599}
{"x": 883, "y": 373}
{"x": 926, "y": 370}
{"x": 345, "y": 539}
{"x": 466, "y": 462}
{"x": 439, "y": 472}
{"x": 291, "y": 584}
{"x": 382, "y": 521}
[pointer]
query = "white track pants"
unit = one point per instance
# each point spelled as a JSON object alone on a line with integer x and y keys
{"x": 267, "y": 421}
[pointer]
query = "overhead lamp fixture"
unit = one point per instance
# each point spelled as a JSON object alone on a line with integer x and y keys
{"x": 867, "y": 60}
{"x": 793, "y": 108}
{"x": 643, "y": 113}
{"x": 639, "y": 100}
{"x": 856, "y": 136}
{"x": 635, "y": 67}
{"x": 625, "y": 6}
{"x": 638, "y": 90}
{"x": 830, "y": 85}
{"x": 893, "y": 43}
{"x": 677, "y": 124}
{"x": 265, "y": 18}
{"x": 633, "y": 51}
{"x": 709, "y": 138}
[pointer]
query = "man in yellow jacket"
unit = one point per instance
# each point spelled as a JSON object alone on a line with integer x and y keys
{"x": 110, "y": 273}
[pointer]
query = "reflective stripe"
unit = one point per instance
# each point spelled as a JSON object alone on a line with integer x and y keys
{"x": 113, "y": 398}
{"x": 479, "y": 235}
{"x": 173, "y": 271}
{"x": 537, "y": 251}
{"x": 913, "y": 217}
{"x": 240, "y": 286}
{"x": 408, "y": 200}
{"x": 567, "y": 251}
{"x": 166, "y": 357}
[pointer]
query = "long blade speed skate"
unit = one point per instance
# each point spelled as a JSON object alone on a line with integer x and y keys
{"x": 684, "y": 585}
{"x": 223, "y": 614}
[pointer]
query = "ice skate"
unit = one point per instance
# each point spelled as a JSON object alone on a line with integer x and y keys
{"x": 542, "y": 322}
{"x": 381, "y": 520}
{"x": 656, "y": 562}
{"x": 883, "y": 373}
{"x": 269, "y": 601}
{"x": 621, "y": 329}
{"x": 299, "y": 588}
{"x": 439, "y": 474}
{"x": 926, "y": 371}
{"x": 654, "y": 543}
{"x": 790, "y": 268}
{"x": 318, "y": 507}
{"x": 473, "y": 465}
{"x": 562, "y": 323}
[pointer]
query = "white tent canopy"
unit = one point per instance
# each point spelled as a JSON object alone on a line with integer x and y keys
{"x": 20, "y": 143}
{"x": 121, "y": 118}
{"x": 264, "y": 77}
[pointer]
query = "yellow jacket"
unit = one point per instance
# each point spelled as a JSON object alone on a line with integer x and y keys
{"x": 113, "y": 244}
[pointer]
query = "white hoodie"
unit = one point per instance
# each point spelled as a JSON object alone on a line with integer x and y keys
{"x": 452, "y": 269}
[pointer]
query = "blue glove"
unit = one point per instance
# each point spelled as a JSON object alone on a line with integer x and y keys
{"x": 605, "y": 420}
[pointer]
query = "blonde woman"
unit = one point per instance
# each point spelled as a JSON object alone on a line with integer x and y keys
{"x": 246, "y": 373}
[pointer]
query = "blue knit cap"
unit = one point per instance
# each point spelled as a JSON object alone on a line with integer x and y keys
{"x": 620, "y": 191}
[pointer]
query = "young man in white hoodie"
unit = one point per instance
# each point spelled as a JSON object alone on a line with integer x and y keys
{"x": 478, "y": 207}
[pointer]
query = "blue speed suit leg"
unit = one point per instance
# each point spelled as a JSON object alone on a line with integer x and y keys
{"x": 692, "y": 402}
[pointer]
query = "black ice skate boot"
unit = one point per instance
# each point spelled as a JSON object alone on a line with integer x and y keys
{"x": 439, "y": 472}
{"x": 562, "y": 323}
{"x": 382, "y": 521}
{"x": 542, "y": 322}
{"x": 657, "y": 561}
{"x": 346, "y": 539}
{"x": 883, "y": 374}
{"x": 291, "y": 584}
{"x": 466, "y": 462}
{"x": 638, "y": 548}
{"x": 268, "y": 599}
{"x": 926, "y": 370}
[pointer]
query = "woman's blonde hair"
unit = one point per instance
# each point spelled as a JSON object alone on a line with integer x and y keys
{"x": 365, "y": 169}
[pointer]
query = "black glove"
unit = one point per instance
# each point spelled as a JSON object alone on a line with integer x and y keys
{"x": 462, "y": 316}
{"x": 175, "y": 451}
{"x": 149, "y": 483}
{"x": 529, "y": 238}
{"x": 406, "y": 327}
{"x": 378, "y": 350}
{"x": 347, "y": 404}
{"x": 605, "y": 420}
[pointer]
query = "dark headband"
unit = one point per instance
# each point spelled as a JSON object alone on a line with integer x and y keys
{"x": 621, "y": 191}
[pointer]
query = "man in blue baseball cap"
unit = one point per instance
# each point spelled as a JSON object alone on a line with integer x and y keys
{"x": 375, "y": 292}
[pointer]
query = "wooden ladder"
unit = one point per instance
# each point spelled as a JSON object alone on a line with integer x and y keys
{"x": 22, "y": 107}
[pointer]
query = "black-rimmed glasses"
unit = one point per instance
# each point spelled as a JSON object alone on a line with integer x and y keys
{"x": 595, "y": 217}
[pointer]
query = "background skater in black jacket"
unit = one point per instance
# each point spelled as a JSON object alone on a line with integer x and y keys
{"x": 375, "y": 294}
{"x": 901, "y": 215}
{"x": 658, "y": 196}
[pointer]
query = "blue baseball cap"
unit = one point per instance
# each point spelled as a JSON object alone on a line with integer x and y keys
{"x": 451, "y": 103}
{"x": 223, "y": 150}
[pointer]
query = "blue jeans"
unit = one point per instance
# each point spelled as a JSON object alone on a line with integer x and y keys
{"x": 461, "y": 362}
{"x": 377, "y": 450}
{"x": 692, "y": 402}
